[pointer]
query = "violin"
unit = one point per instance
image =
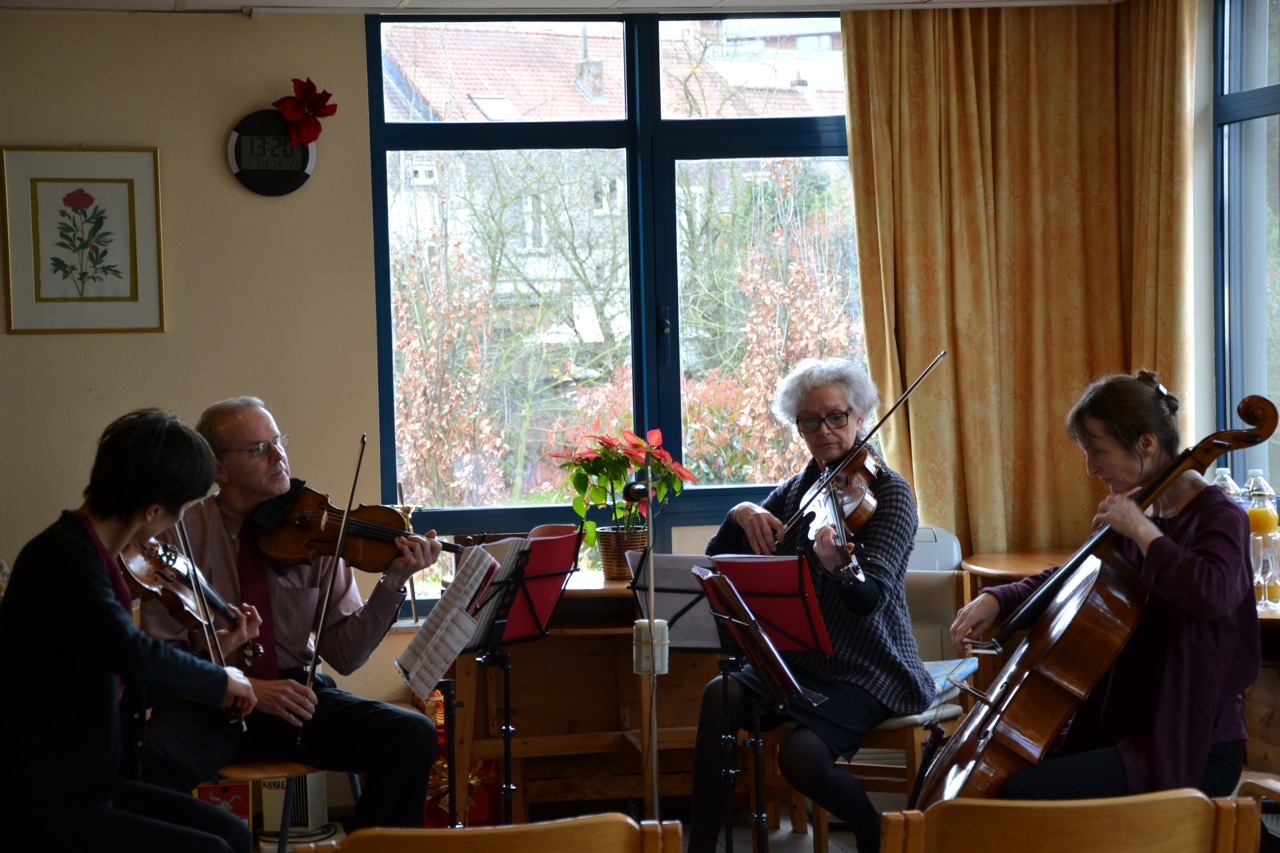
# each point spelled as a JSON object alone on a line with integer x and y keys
{"x": 841, "y": 498}
{"x": 301, "y": 525}
{"x": 157, "y": 570}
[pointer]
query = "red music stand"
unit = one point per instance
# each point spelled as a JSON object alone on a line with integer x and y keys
{"x": 520, "y": 605}
{"x": 756, "y": 646}
{"x": 779, "y": 593}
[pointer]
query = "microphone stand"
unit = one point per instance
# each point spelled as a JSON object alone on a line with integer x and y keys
{"x": 638, "y": 491}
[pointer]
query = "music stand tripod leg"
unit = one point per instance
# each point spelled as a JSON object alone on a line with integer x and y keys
{"x": 508, "y": 787}
{"x": 451, "y": 705}
{"x": 728, "y": 750}
{"x": 759, "y": 817}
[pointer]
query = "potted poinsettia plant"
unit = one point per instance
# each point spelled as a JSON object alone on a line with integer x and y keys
{"x": 600, "y": 470}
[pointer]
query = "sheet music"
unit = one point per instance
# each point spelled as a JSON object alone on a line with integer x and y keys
{"x": 510, "y": 554}
{"x": 448, "y": 627}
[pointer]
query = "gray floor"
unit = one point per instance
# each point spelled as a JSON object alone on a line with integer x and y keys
{"x": 783, "y": 840}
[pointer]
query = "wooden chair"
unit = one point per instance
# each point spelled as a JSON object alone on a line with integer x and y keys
{"x": 1260, "y": 786}
{"x": 614, "y": 833}
{"x": 1181, "y": 821}
{"x": 291, "y": 772}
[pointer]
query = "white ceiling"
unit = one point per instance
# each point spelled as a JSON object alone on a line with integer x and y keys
{"x": 509, "y": 7}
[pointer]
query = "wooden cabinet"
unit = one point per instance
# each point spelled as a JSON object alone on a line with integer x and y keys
{"x": 580, "y": 715}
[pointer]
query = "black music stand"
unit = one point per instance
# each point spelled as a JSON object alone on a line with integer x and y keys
{"x": 517, "y": 609}
{"x": 755, "y": 644}
{"x": 678, "y": 598}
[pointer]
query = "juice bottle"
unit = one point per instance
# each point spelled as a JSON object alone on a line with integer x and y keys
{"x": 1264, "y": 545}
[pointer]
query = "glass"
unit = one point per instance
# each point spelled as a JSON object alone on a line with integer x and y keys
{"x": 768, "y": 275}
{"x": 509, "y": 71}
{"x": 1266, "y": 575}
{"x": 752, "y": 68}
{"x": 261, "y": 448}
{"x": 511, "y": 318}
{"x": 834, "y": 421}
{"x": 1258, "y": 44}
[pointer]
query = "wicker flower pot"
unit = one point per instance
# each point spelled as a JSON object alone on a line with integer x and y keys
{"x": 614, "y": 545}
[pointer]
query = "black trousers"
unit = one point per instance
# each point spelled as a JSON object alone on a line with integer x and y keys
{"x": 187, "y": 742}
{"x": 1100, "y": 773}
{"x": 141, "y": 818}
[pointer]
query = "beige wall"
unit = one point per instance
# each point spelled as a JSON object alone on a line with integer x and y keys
{"x": 266, "y": 296}
{"x": 269, "y": 296}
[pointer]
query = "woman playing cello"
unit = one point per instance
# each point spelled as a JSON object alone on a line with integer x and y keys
{"x": 1170, "y": 711}
{"x": 875, "y": 672}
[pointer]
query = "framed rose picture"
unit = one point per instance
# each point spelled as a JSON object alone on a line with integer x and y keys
{"x": 82, "y": 239}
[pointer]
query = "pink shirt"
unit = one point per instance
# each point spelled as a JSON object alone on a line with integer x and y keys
{"x": 353, "y": 628}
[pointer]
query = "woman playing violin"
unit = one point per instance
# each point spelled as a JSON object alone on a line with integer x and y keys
{"x": 1170, "y": 712}
{"x": 77, "y": 664}
{"x": 875, "y": 672}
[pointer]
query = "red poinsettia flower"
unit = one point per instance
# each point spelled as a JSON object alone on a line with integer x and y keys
{"x": 304, "y": 109}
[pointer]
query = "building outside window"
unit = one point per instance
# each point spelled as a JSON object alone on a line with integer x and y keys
{"x": 590, "y": 226}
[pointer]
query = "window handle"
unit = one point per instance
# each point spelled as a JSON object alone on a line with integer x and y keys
{"x": 664, "y": 335}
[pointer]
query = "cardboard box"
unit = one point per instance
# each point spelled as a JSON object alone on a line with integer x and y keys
{"x": 235, "y": 797}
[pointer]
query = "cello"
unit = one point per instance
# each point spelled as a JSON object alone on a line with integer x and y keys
{"x": 1077, "y": 624}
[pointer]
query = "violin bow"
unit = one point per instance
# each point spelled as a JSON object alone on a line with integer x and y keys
{"x": 828, "y": 475}
{"x": 202, "y": 602}
{"x": 333, "y": 572}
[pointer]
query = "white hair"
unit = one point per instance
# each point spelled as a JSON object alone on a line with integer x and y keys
{"x": 813, "y": 373}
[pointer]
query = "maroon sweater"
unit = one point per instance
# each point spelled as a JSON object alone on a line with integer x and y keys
{"x": 1178, "y": 686}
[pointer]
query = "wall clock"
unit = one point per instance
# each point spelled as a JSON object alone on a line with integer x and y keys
{"x": 262, "y": 157}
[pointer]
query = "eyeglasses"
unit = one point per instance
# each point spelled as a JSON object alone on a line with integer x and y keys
{"x": 261, "y": 448}
{"x": 833, "y": 421}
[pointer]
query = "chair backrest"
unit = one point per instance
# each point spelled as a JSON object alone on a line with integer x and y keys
{"x": 615, "y": 833}
{"x": 932, "y": 600}
{"x": 1181, "y": 821}
{"x": 934, "y": 588}
{"x": 936, "y": 550}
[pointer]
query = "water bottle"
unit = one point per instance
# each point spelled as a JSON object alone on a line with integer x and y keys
{"x": 1222, "y": 479}
{"x": 1264, "y": 541}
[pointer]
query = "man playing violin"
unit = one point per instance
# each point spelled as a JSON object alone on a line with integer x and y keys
{"x": 875, "y": 672}
{"x": 319, "y": 725}
{"x": 84, "y": 671}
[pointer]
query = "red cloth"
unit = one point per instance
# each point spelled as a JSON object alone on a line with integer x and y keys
{"x": 114, "y": 576}
{"x": 252, "y": 567}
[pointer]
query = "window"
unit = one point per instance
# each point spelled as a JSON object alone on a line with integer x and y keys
{"x": 1247, "y": 186}
{"x": 564, "y": 250}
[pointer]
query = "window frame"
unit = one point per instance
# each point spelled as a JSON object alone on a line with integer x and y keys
{"x": 652, "y": 145}
{"x": 1231, "y": 108}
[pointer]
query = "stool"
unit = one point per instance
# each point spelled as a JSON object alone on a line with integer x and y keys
{"x": 290, "y": 771}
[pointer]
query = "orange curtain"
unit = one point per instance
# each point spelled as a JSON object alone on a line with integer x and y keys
{"x": 1022, "y": 187}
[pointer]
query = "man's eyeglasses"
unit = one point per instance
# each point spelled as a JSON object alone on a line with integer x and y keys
{"x": 261, "y": 448}
{"x": 833, "y": 421}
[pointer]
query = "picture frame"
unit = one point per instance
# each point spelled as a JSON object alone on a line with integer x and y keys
{"x": 82, "y": 239}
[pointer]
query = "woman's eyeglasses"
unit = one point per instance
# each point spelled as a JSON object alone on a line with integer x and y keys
{"x": 833, "y": 421}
